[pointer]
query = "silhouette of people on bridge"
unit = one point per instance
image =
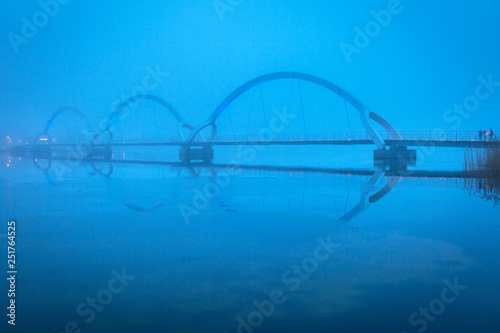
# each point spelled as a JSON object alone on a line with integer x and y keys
{"x": 481, "y": 133}
{"x": 485, "y": 132}
{"x": 492, "y": 134}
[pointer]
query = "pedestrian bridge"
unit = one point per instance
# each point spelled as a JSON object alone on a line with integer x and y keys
{"x": 195, "y": 144}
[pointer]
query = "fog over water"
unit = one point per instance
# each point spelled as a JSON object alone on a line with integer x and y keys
{"x": 250, "y": 166}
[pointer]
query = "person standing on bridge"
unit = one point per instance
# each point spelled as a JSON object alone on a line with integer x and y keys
{"x": 485, "y": 132}
{"x": 481, "y": 133}
{"x": 492, "y": 134}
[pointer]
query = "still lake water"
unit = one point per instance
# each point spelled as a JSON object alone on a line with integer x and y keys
{"x": 270, "y": 252}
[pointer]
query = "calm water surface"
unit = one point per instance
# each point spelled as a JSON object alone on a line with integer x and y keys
{"x": 268, "y": 252}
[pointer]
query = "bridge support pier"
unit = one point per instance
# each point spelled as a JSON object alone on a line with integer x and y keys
{"x": 99, "y": 153}
{"x": 192, "y": 153}
{"x": 396, "y": 157}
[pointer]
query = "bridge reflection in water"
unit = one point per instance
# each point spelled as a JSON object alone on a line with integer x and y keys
{"x": 376, "y": 183}
{"x": 485, "y": 165}
{"x": 197, "y": 151}
{"x": 108, "y": 192}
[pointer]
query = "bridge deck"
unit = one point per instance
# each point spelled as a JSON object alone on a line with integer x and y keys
{"x": 391, "y": 142}
{"x": 408, "y": 139}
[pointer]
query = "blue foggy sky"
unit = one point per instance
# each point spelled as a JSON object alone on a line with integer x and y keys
{"x": 91, "y": 53}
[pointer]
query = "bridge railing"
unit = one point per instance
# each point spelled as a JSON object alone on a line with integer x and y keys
{"x": 338, "y": 136}
{"x": 356, "y": 136}
{"x": 445, "y": 136}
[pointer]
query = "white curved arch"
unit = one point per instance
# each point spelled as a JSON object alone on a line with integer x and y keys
{"x": 299, "y": 76}
{"x": 169, "y": 107}
{"x": 63, "y": 110}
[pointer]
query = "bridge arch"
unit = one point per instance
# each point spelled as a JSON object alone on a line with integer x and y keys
{"x": 365, "y": 115}
{"x": 67, "y": 109}
{"x": 169, "y": 107}
{"x": 63, "y": 110}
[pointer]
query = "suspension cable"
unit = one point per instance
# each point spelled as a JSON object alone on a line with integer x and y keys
{"x": 348, "y": 120}
{"x": 335, "y": 111}
{"x": 263, "y": 108}
{"x": 251, "y": 109}
{"x": 137, "y": 122}
{"x": 290, "y": 97}
{"x": 302, "y": 107}
{"x": 347, "y": 201}
{"x": 157, "y": 126}
{"x": 291, "y": 91}
{"x": 231, "y": 121}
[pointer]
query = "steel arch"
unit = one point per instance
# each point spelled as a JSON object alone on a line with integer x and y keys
{"x": 65, "y": 109}
{"x": 54, "y": 116}
{"x": 153, "y": 98}
{"x": 360, "y": 107}
{"x": 173, "y": 111}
